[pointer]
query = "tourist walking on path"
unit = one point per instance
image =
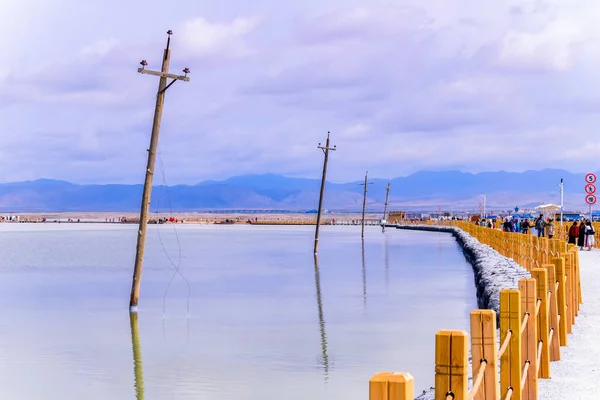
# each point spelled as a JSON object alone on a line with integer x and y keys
{"x": 549, "y": 228}
{"x": 589, "y": 235}
{"x": 539, "y": 226}
{"x": 525, "y": 226}
{"x": 581, "y": 237}
{"x": 573, "y": 233}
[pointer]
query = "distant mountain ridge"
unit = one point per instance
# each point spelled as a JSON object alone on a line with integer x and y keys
{"x": 421, "y": 190}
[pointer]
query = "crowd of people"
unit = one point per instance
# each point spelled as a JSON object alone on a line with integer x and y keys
{"x": 581, "y": 234}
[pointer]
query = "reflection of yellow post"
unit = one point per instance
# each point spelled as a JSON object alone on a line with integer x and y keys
{"x": 137, "y": 356}
{"x": 321, "y": 318}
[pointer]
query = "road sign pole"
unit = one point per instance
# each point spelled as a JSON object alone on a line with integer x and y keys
{"x": 590, "y": 190}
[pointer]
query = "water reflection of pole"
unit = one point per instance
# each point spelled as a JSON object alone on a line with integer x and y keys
{"x": 386, "y": 264}
{"x": 364, "y": 275}
{"x": 137, "y": 356}
{"x": 321, "y": 319}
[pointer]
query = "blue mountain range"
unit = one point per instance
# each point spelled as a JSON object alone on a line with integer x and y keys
{"x": 421, "y": 190}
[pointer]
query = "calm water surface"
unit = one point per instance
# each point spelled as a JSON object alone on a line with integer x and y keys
{"x": 263, "y": 322}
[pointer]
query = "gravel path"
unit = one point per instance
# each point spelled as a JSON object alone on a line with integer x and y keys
{"x": 577, "y": 375}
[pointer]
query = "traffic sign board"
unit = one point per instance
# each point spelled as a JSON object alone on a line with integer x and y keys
{"x": 590, "y": 188}
{"x": 590, "y": 178}
{"x": 590, "y": 199}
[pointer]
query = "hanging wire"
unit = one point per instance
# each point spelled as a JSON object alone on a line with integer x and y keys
{"x": 176, "y": 267}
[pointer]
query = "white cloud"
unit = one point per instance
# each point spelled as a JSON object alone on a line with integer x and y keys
{"x": 548, "y": 49}
{"x": 100, "y": 48}
{"x": 202, "y": 38}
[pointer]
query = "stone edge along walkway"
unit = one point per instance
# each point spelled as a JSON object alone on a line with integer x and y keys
{"x": 577, "y": 375}
{"x": 493, "y": 272}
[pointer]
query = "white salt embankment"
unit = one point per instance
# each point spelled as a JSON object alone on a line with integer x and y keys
{"x": 493, "y": 272}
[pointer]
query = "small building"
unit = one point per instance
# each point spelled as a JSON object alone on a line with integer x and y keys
{"x": 396, "y": 217}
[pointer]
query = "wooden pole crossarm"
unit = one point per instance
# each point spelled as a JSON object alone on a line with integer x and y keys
{"x": 164, "y": 74}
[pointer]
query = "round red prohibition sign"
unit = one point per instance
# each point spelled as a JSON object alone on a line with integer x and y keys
{"x": 590, "y": 199}
{"x": 590, "y": 188}
{"x": 590, "y": 178}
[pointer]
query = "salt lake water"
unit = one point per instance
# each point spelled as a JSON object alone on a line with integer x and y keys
{"x": 260, "y": 320}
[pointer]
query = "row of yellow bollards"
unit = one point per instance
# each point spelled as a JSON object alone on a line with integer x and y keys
{"x": 534, "y": 322}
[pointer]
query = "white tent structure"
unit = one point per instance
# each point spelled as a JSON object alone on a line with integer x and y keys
{"x": 548, "y": 210}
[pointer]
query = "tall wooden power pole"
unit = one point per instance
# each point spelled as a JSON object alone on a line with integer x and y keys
{"x": 387, "y": 196}
{"x": 325, "y": 149}
{"x": 145, "y": 208}
{"x": 362, "y": 234}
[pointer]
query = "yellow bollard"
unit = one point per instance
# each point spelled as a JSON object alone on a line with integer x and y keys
{"x": 483, "y": 347}
{"x": 543, "y": 329}
{"x": 510, "y": 360}
{"x": 574, "y": 285}
{"x": 561, "y": 298}
{"x": 451, "y": 364}
{"x": 528, "y": 289}
{"x": 392, "y": 386}
{"x": 553, "y": 312}
{"x": 569, "y": 291}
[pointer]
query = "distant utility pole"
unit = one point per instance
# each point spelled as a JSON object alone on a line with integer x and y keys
{"x": 484, "y": 198}
{"x": 145, "y": 208}
{"x": 362, "y": 234}
{"x": 387, "y": 195}
{"x": 562, "y": 199}
{"x": 325, "y": 149}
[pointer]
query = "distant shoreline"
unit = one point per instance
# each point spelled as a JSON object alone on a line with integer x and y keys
{"x": 221, "y": 217}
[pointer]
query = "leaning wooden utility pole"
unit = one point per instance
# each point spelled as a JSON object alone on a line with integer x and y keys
{"x": 145, "y": 208}
{"x": 362, "y": 234}
{"x": 326, "y": 158}
{"x": 387, "y": 195}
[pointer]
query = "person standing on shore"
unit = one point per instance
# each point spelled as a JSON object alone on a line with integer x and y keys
{"x": 549, "y": 228}
{"x": 589, "y": 235}
{"x": 573, "y": 233}
{"x": 539, "y": 226}
{"x": 581, "y": 237}
{"x": 525, "y": 226}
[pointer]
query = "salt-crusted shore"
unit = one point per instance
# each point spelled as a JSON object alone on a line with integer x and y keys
{"x": 493, "y": 272}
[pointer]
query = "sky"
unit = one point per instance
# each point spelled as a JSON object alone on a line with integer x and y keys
{"x": 402, "y": 86}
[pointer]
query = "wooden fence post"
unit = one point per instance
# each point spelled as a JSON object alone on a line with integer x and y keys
{"x": 483, "y": 347}
{"x": 528, "y": 289}
{"x": 569, "y": 291}
{"x": 573, "y": 256}
{"x": 392, "y": 386}
{"x": 544, "y": 246}
{"x": 510, "y": 361}
{"x": 575, "y": 251}
{"x": 553, "y": 313}
{"x": 543, "y": 329}
{"x": 451, "y": 364}
{"x": 580, "y": 296}
{"x": 574, "y": 287}
{"x": 561, "y": 298}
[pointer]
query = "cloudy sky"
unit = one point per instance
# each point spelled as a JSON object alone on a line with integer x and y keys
{"x": 402, "y": 85}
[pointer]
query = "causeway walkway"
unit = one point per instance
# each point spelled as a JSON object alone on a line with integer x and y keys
{"x": 577, "y": 375}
